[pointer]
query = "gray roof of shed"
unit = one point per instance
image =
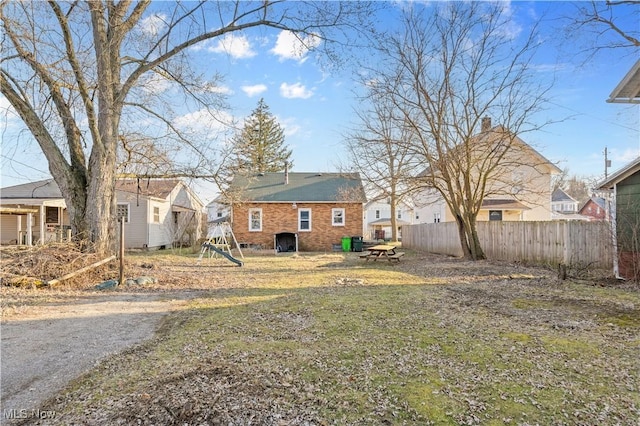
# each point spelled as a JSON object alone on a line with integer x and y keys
{"x": 301, "y": 187}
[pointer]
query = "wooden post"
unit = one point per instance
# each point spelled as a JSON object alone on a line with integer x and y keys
{"x": 81, "y": 270}
{"x": 121, "y": 280}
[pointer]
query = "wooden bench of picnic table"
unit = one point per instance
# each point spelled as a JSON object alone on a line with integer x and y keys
{"x": 396, "y": 256}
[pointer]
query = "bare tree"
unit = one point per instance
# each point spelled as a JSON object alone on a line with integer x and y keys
{"x": 599, "y": 25}
{"x": 78, "y": 73}
{"x": 451, "y": 66}
{"x": 379, "y": 148}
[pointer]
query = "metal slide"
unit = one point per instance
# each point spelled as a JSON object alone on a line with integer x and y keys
{"x": 224, "y": 253}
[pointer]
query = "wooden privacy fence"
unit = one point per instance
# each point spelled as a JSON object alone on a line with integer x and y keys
{"x": 569, "y": 242}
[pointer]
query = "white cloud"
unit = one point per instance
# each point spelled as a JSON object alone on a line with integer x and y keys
{"x": 254, "y": 90}
{"x": 153, "y": 24}
{"x": 238, "y": 46}
{"x": 153, "y": 83}
{"x": 295, "y": 91}
{"x": 289, "y": 126}
{"x": 204, "y": 122}
{"x": 626, "y": 156}
{"x": 289, "y": 46}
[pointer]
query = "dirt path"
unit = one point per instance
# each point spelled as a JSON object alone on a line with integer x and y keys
{"x": 44, "y": 350}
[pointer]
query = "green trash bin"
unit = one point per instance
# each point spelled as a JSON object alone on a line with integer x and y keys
{"x": 346, "y": 243}
{"x": 356, "y": 243}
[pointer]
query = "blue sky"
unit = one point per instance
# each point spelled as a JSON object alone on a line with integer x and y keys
{"x": 315, "y": 107}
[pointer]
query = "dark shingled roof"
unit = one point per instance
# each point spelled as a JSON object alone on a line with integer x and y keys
{"x": 301, "y": 187}
{"x": 158, "y": 188}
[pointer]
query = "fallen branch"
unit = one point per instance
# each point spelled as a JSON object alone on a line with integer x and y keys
{"x": 81, "y": 270}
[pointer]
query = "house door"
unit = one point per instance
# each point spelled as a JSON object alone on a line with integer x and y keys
{"x": 285, "y": 242}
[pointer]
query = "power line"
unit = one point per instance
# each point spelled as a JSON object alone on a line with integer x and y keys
{"x": 594, "y": 117}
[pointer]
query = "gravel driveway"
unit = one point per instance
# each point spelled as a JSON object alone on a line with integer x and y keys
{"x": 43, "y": 351}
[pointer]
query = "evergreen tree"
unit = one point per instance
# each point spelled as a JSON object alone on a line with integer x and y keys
{"x": 259, "y": 147}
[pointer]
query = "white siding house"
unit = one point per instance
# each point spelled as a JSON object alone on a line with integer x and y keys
{"x": 157, "y": 213}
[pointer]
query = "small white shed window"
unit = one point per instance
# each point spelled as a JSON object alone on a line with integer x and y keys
{"x": 304, "y": 220}
{"x": 156, "y": 215}
{"x": 337, "y": 217}
{"x": 255, "y": 220}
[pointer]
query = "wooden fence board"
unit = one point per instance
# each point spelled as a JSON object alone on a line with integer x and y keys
{"x": 570, "y": 242}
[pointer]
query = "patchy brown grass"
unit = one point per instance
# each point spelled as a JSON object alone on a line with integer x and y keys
{"x": 329, "y": 339}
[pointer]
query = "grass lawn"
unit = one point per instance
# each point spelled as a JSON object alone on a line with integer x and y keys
{"x": 324, "y": 339}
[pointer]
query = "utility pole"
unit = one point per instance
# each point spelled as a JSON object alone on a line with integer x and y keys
{"x": 607, "y": 163}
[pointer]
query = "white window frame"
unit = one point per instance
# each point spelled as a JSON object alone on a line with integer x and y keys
{"x": 377, "y": 214}
{"x": 156, "y": 216}
{"x": 300, "y": 220}
{"x": 251, "y": 228}
{"x": 341, "y": 215}
{"x": 128, "y": 218}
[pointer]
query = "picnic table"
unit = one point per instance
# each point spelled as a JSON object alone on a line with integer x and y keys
{"x": 382, "y": 251}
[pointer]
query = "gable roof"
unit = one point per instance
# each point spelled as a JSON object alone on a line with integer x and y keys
{"x": 599, "y": 201}
{"x": 300, "y": 187}
{"x": 494, "y": 133}
{"x": 148, "y": 187}
{"x": 628, "y": 90}
{"x": 47, "y": 189}
{"x": 559, "y": 195}
{"x": 620, "y": 175}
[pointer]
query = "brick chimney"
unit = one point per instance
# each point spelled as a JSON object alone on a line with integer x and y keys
{"x": 486, "y": 124}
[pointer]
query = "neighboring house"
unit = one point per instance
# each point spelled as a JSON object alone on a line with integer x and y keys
{"x": 157, "y": 213}
{"x": 32, "y": 213}
{"x": 595, "y": 209}
{"x": 625, "y": 184}
{"x": 216, "y": 211}
{"x": 520, "y": 190}
{"x": 561, "y": 202}
{"x": 296, "y": 211}
{"x": 564, "y": 206}
{"x": 377, "y": 218}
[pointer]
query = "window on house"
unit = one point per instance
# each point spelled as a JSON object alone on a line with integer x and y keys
{"x": 304, "y": 219}
{"x": 219, "y": 214}
{"x": 495, "y": 214}
{"x": 399, "y": 214}
{"x": 337, "y": 217}
{"x": 176, "y": 217}
{"x": 255, "y": 219}
{"x": 436, "y": 218}
{"x": 52, "y": 215}
{"x": 156, "y": 215}
{"x": 377, "y": 214}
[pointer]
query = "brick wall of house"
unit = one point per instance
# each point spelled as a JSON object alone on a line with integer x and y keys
{"x": 282, "y": 217}
{"x": 593, "y": 210}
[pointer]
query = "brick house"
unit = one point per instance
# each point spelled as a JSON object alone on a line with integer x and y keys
{"x": 296, "y": 211}
{"x": 595, "y": 209}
